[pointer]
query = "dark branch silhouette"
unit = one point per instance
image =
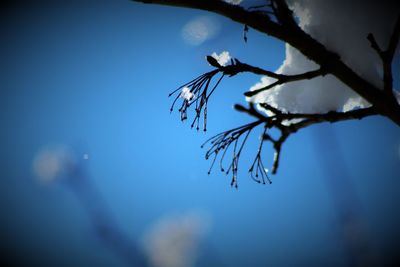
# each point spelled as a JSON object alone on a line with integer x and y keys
{"x": 387, "y": 56}
{"x": 289, "y": 123}
{"x": 276, "y": 19}
{"x": 223, "y": 141}
{"x": 286, "y": 30}
{"x": 281, "y": 79}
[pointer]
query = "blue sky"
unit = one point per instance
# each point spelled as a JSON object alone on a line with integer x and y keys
{"x": 96, "y": 75}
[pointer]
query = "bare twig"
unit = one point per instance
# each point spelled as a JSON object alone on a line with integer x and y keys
{"x": 374, "y": 44}
{"x": 235, "y": 139}
{"x": 257, "y": 169}
{"x": 394, "y": 39}
{"x": 238, "y": 67}
{"x": 283, "y": 13}
{"x": 198, "y": 90}
{"x": 284, "y": 123}
{"x": 308, "y": 46}
{"x": 281, "y": 79}
{"x": 197, "y": 93}
{"x": 387, "y": 56}
{"x": 280, "y": 23}
{"x": 223, "y": 141}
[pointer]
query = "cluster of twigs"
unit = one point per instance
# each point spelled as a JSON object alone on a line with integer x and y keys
{"x": 198, "y": 92}
{"x": 276, "y": 19}
{"x": 223, "y": 141}
{"x": 235, "y": 139}
{"x": 198, "y": 89}
{"x": 289, "y": 123}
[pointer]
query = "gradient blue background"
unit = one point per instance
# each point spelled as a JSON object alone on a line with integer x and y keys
{"x": 96, "y": 75}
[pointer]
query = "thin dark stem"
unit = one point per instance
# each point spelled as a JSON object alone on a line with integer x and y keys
{"x": 387, "y": 56}
{"x": 281, "y": 79}
{"x": 306, "y": 44}
{"x": 257, "y": 168}
{"x": 223, "y": 141}
{"x": 285, "y": 123}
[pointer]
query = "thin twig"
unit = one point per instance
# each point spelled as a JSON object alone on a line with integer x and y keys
{"x": 280, "y": 121}
{"x": 387, "y": 55}
{"x": 223, "y": 142}
{"x": 305, "y": 43}
{"x": 282, "y": 78}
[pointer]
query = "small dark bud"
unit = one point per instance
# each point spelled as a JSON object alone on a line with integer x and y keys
{"x": 249, "y": 93}
{"x": 213, "y": 62}
{"x": 239, "y": 107}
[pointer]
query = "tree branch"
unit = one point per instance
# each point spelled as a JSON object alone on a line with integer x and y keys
{"x": 281, "y": 79}
{"x": 386, "y": 105}
{"x": 289, "y": 123}
{"x": 253, "y": 18}
{"x": 198, "y": 92}
{"x": 387, "y": 56}
{"x": 283, "y": 13}
{"x": 283, "y": 27}
{"x": 235, "y": 139}
{"x": 394, "y": 39}
{"x": 236, "y": 67}
{"x": 226, "y": 140}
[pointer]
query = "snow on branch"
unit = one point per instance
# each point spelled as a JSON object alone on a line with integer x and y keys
{"x": 196, "y": 92}
{"x": 349, "y": 75}
{"x": 285, "y": 30}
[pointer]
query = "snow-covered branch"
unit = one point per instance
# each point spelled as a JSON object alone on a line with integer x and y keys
{"x": 284, "y": 30}
{"x": 347, "y": 67}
